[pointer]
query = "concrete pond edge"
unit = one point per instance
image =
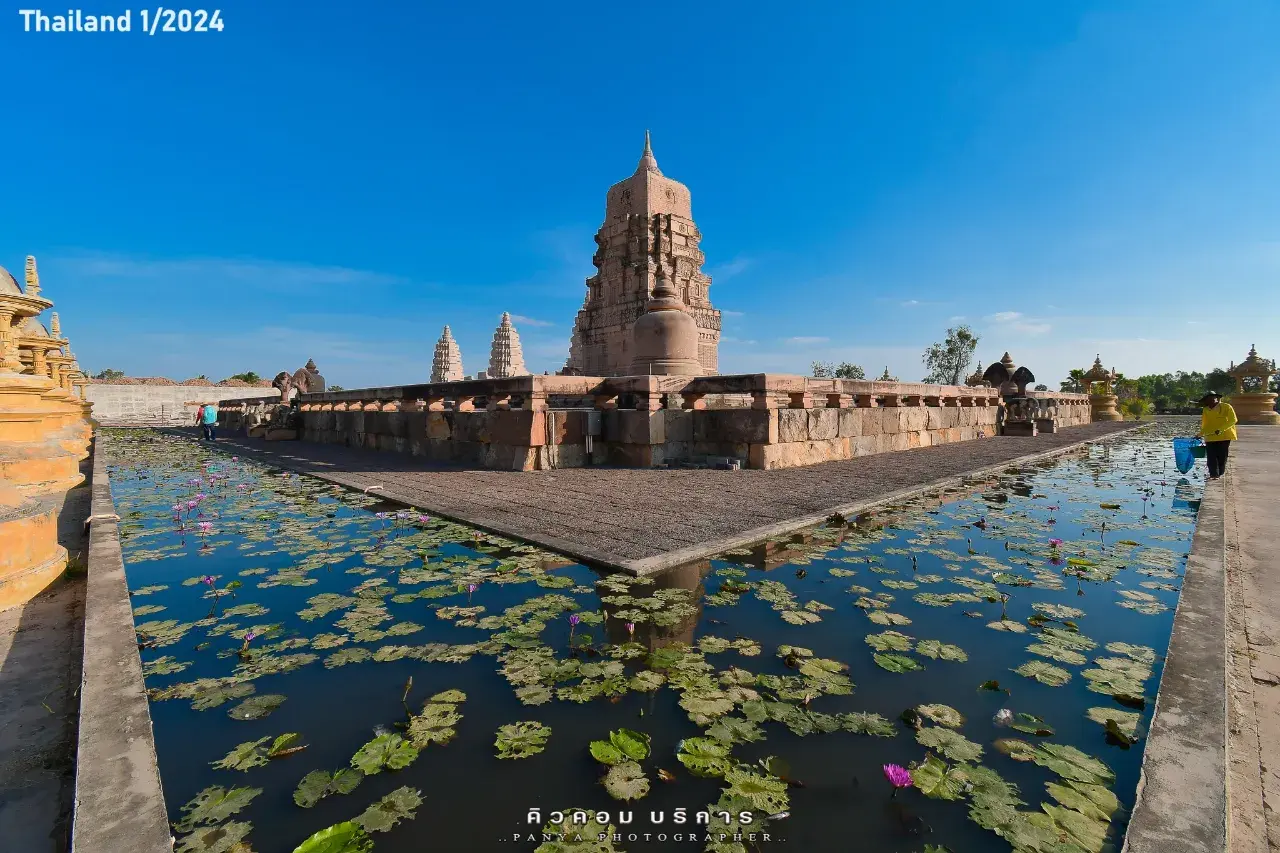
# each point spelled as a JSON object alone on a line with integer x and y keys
{"x": 1181, "y": 804}
{"x": 119, "y": 800}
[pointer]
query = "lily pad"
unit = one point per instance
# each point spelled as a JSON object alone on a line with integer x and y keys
{"x": 896, "y": 662}
{"x": 940, "y": 650}
{"x": 384, "y": 752}
{"x": 214, "y": 805}
{"x": 319, "y": 784}
{"x": 522, "y": 740}
{"x": 257, "y": 707}
{"x": 346, "y": 837}
{"x": 943, "y": 715}
{"x": 705, "y": 756}
{"x": 949, "y": 743}
{"x": 1045, "y": 673}
{"x": 626, "y": 781}
{"x": 399, "y": 805}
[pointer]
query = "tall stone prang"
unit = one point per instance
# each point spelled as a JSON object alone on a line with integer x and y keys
{"x": 447, "y": 364}
{"x": 648, "y": 234}
{"x": 505, "y": 357}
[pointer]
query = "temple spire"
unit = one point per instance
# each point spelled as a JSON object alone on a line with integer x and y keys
{"x": 647, "y": 162}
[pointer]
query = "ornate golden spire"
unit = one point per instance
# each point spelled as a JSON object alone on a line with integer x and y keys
{"x": 55, "y": 326}
{"x": 33, "y": 278}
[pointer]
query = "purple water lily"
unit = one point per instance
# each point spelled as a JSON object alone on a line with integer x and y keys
{"x": 1055, "y": 544}
{"x": 631, "y": 629}
{"x": 207, "y": 580}
{"x": 898, "y": 776}
{"x": 574, "y": 619}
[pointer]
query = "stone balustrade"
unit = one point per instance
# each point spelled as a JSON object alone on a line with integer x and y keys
{"x": 764, "y": 420}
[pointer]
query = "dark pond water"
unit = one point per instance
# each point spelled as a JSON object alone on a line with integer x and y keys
{"x": 785, "y": 669}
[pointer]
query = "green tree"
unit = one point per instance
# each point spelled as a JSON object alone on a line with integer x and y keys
{"x": 109, "y": 374}
{"x": 949, "y": 361}
{"x": 1042, "y": 388}
{"x": 1074, "y": 383}
{"x": 831, "y": 370}
{"x": 336, "y": 388}
{"x": 1137, "y": 408}
{"x": 250, "y": 377}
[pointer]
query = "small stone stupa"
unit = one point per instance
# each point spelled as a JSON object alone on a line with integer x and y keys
{"x": 447, "y": 364}
{"x": 1254, "y": 401}
{"x": 665, "y": 338}
{"x": 506, "y": 357}
{"x": 1102, "y": 403}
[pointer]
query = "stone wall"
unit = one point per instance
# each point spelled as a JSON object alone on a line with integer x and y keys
{"x": 768, "y": 420}
{"x": 161, "y": 405}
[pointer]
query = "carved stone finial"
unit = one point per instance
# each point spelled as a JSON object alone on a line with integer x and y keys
{"x": 647, "y": 161}
{"x": 446, "y": 366}
{"x": 311, "y": 365}
{"x": 506, "y": 357}
{"x": 33, "y": 277}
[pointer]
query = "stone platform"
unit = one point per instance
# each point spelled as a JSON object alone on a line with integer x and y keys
{"x": 641, "y": 521}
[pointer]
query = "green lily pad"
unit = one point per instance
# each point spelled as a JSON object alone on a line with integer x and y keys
{"x": 384, "y": 752}
{"x": 1045, "y": 673}
{"x": 346, "y": 837}
{"x": 384, "y": 814}
{"x": 522, "y": 740}
{"x": 214, "y": 805}
{"x": 896, "y": 662}
{"x": 934, "y": 779}
{"x": 940, "y": 650}
{"x": 889, "y": 641}
{"x": 224, "y": 838}
{"x": 764, "y": 792}
{"x": 950, "y": 744}
{"x": 943, "y": 715}
{"x": 705, "y": 756}
{"x": 257, "y": 707}
{"x": 319, "y": 784}
{"x": 626, "y": 781}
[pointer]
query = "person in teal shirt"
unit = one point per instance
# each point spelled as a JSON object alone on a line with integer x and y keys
{"x": 210, "y": 421}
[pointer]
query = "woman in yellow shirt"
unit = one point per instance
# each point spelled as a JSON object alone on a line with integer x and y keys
{"x": 1218, "y": 429}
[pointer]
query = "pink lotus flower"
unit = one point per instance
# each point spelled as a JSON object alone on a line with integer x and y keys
{"x": 631, "y": 629}
{"x": 1055, "y": 544}
{"x": 177, "y": 507}
{"x": 235, "y": 458}
{"x": 423, "y": 519}
{"x": 204, "y": 526}
{"x": 242, "y": 487}
{"x": 207, "y": 580}
{"x": 471, "y": 587}
{"x": 898, "y": 776}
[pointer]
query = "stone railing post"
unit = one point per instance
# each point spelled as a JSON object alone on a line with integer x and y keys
{"x": 464, "y": 403}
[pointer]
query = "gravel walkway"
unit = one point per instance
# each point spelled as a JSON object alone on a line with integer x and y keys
{"x": 642, "y": 520}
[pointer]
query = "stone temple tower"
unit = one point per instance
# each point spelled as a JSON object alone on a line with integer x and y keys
{"x": 447, "y": 364}
{"x": 506, "y": 357}
{"x": 648, "y": 233}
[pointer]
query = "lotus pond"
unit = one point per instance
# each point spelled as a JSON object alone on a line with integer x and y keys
{"x": 973, "y": 671}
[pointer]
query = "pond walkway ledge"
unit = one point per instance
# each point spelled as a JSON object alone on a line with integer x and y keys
{"x": 119, "y": 803}
{"x": 1182, "y": 793}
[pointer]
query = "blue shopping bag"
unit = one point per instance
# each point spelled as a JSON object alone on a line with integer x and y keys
{"x": 1184, "y": 453}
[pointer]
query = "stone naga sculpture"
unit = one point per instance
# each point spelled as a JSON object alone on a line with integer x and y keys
{"x": 283, "y": 382}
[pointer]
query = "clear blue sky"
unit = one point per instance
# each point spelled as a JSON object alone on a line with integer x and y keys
{"x": 338, "y": 181}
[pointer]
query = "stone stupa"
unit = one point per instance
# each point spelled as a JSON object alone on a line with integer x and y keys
{"x": 506, "y": 357}
{"x": 446, "y": 366}
{"x": 665, "y": 338}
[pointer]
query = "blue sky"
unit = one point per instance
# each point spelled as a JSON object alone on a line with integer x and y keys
{"x": 337, "y": 181}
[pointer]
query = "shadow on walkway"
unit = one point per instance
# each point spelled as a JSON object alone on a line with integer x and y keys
{"x": 41, "y": 645}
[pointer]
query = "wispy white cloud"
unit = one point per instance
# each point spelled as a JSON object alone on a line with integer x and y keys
{"x": 728, "y": 313}
{"x": 529, "y": 321}
{"x": 234, "y": 273}
{"x": 956, "y": 319}
{"x": 910, "y": 303}
{"x": 729, "y": 269}
{"x": 805, "y": 341}
{"x": 726, "y": 339}
{"x": 1016, "y": 322}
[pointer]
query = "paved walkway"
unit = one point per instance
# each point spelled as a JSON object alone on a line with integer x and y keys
{"x": 642, "y": 520}
{"x": 1253, "y": 640}
{"x": 40, "y": 647}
